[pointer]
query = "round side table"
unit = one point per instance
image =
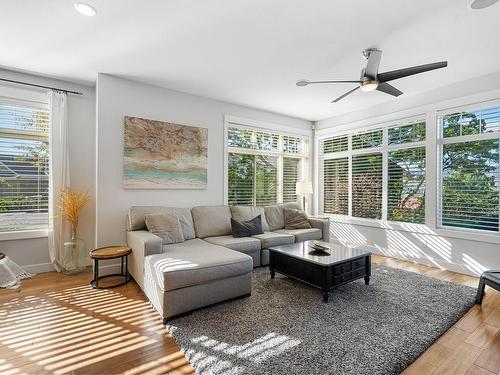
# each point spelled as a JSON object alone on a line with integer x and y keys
{"x": 110, "y": 252}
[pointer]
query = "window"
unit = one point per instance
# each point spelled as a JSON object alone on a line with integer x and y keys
{"x": 378, "y": 174}
{"x": 336, "y": 186}
{"x": 469, "y": 191}
{"x": 263, "y": 167}
{"x": 23, "y": 166}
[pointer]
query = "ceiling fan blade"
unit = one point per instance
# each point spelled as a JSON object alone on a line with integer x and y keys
{"x": 388, "y": 89}
{"x": 344, "y": 95}
{"x": 400, "y": 73}
{"x": 305, "y": 83}
{"x": 373, "y": 63}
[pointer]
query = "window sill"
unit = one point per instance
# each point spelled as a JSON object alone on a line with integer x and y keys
{"x": 24, "y": 234}
{"x": 422, "y": 229}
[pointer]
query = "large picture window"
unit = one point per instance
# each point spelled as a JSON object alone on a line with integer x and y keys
{"x": 378, "y": 174}
{"x": 263, "y": 166}
{"x": 469, "y": 191}
{"x": 23, "y": 166}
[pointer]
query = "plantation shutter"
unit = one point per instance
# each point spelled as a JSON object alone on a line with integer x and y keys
{"x": 470, "y": 185}
{"x": 23, "y": 166}
{"x": 367, "y": 186}
{"x": 266, "y": 180}
{"x": 335, "y": 186}
{"x": 240, "y": 179}
{"x": 406, "y": 185}
{"x": 291, "y": 173}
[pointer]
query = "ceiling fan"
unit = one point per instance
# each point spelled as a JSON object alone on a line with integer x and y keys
{"x": 371, "y": 79}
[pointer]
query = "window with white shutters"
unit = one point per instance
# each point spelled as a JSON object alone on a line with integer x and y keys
{"x": 291, "y": 175}
{"x": 406, "y": 185}
{"x": 263, "y": 166}
{"x": 367, "y": 186}
{"x": 23, "y": 165}
{"x": 336, "y": 186}
{"x": 469, "y": 179}
{"x": 375, "y": 174}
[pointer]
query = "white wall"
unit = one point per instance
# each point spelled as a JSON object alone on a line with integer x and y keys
{"x": 33, "y": 254}
{"x": 467, "y": 252}
{"x": 116, "y": 98}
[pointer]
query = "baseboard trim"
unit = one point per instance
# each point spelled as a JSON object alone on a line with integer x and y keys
{"x": 39, "y": 268}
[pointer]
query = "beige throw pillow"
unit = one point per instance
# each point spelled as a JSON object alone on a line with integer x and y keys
{"x": 168, "y": 227}
{"x": 295, "y": 219}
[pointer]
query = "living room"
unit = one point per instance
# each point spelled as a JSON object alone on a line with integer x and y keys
{"x": 215, "y": 188}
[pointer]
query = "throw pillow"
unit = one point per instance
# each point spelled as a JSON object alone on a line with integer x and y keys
{"x": 247, "y": 228}
{"x": 295, "y": 219}
{"x": 168, "y": 227}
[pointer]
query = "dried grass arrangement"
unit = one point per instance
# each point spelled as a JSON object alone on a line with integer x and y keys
{"x": 71, "y": 203}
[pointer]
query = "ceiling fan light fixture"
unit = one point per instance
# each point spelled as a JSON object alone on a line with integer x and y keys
{"x": 85, "y": 9}
{"x": 367, "y": 86}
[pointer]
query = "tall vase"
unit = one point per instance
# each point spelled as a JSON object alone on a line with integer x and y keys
{"x": 75, "y": 255}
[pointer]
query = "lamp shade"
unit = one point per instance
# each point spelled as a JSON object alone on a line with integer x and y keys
{"x": 303, "y": 188}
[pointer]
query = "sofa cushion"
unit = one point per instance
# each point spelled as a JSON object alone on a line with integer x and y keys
{"x": 295, "y": 219}
{"x": 303, "y": 234}
{"x": 195, "y": 262}
{"x": 137, "y": 215}
{"x": 269, "y": 239}
{"x": 246, "y": 228}
{"x": 275, "y": 217}
{"x": 211, "y": 221}
{"x": 167, "y": 227}
{"x": 246, "y": 213}
{"x": 244, "y": 244}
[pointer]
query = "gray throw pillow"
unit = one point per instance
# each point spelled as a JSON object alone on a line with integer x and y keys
{"x": 295, "y": 219}
{"x": 168, "y": 227}
{"x": 247, "y": 228}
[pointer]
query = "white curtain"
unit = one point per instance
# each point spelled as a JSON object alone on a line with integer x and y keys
{"x": 58, "y": 174}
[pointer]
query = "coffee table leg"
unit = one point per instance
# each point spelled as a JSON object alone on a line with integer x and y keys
{"x": 367, "y": 280}
{"x": 325, "y": 296}
{"x": 272, "y": 273}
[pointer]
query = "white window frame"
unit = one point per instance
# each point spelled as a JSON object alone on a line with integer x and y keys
{"x": 441, "y": 141}
{"x": 231, "y": 121}
{"x": 384, "y": 150}
{"x": 15, "y": 95}
{"x": 430, "y": 107}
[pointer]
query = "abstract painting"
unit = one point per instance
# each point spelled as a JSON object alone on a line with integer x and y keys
{"x": 162, "y": 155}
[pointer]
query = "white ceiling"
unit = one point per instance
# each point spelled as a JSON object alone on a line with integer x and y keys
{"x": 252, "y": 52}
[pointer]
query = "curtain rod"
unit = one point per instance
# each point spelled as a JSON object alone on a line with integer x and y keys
{"x": 41, "y": 86}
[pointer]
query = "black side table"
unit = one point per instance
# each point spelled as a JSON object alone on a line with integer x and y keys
{"x": 490, "y": 278}
{"x": 110, "y": 252}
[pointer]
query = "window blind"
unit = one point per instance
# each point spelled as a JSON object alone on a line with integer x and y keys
{"x": 334, "y": 144}
{"x": 263, "y": 167}
{"x": 240, "y": 179}
{"x": 367, "y": 186}
{"x": 23, "y": 166}
{"x": 291, "y": 175}
{"x": 407, "y": 133}
{"x": 266, "y": 180}
{"x": 336, "y": 186}
{"x": 476, "y": 121}
{"x": 406, "y": 185}
{"x": 367, "y": 139}
{"x": 470, "y": 185}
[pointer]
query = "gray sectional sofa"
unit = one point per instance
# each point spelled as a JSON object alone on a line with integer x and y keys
{"x": 210, "y": 265}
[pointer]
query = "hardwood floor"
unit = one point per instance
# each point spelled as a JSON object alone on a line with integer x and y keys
{"x": 57, "y": 324}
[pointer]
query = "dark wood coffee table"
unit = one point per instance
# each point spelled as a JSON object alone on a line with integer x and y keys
{"x": 343, "y": 264}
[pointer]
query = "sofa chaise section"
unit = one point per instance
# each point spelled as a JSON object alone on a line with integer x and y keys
{"x": 194, "y": 274}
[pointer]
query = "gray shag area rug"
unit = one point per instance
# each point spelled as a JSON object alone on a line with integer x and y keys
{"x": 285, "y": 328}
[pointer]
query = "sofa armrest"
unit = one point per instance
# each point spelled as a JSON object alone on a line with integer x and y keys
{"x": 142, "y": 243}
{"x": 323, "y": 224}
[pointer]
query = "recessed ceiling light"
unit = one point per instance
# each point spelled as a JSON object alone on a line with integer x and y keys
{"x": 85, "y": 9}
{"x": 481, "y": 4}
